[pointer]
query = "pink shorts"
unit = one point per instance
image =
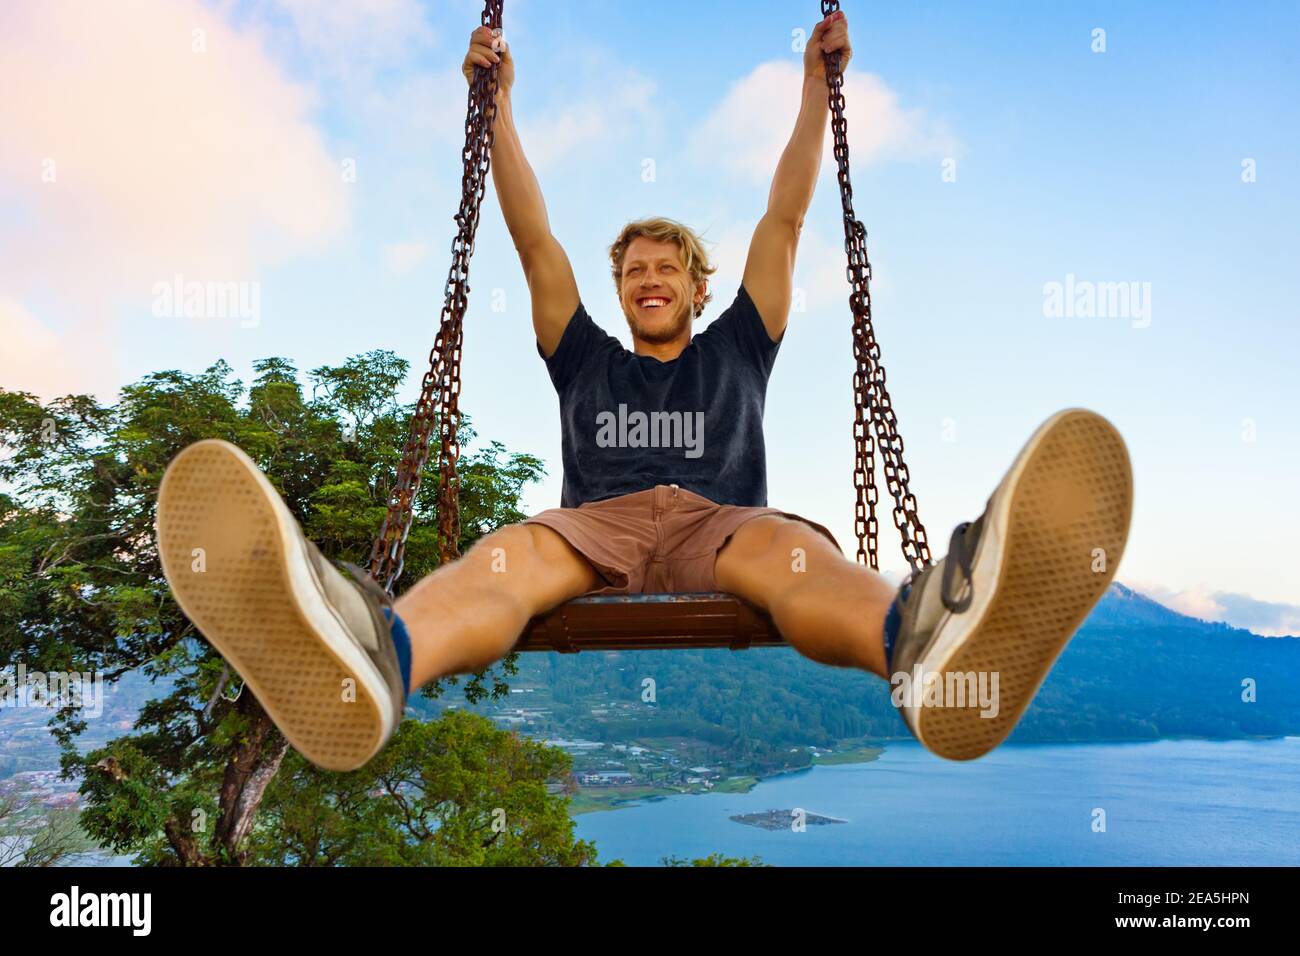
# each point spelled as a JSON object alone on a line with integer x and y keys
{"x": 663, "y": 539}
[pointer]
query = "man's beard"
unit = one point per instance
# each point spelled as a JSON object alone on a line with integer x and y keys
{"x": 668, "y": 333}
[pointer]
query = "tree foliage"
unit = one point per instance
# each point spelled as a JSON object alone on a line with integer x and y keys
{"x": 81, "y": 589}
{"x": 457, "y": 792}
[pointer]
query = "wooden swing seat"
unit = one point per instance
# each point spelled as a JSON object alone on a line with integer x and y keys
{"x": 646, "y": 622}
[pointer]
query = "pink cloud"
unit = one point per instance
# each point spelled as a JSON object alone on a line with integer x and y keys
{"x": 144, "y": 140}
{"x": 752, "y": 123}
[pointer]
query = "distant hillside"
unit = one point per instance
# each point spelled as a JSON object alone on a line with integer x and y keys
{"x": 1136, "y": 670}
{"x": 1123, "y": 607}
{"x": 25, "y": 740}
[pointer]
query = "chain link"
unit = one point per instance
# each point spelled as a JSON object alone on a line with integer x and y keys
{"x": 439, "y": 402}
{"x": 870, "y": 396}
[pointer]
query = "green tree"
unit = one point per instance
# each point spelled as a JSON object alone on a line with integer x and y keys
{"x": 81, "y": 589}
{"x": 453, "y": 792}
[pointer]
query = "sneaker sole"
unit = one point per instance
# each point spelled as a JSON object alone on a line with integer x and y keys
{"x": 1069, "y": 493}
{"x": 258, "y": 602}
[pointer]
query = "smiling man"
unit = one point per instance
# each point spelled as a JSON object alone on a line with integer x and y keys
{"x": 665, "y": 489}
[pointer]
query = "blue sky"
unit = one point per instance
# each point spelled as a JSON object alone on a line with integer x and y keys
{"x": 1117, "y": 166}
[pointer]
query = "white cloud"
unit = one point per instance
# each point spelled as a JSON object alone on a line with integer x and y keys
{"x": 617, "y": 109}
{"x": 402, "y": 257}
{"x": 1287, "y": 630}
{"x": 818, "y": 268}
{"x": 1267, "y": 618}
{"x": 144, "y": 140}
{"x": 50, "y": 363}
{"x": 1195, "y": 602}
{"x": 30, "y": 359}
{"x": 213, "y": 170}
{"x": 425, "y": 105}
{"x": 748, "y": 130}
{"x": 356, "y": 39}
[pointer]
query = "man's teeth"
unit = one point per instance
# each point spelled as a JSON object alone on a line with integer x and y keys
{"x": 653, "y": 303}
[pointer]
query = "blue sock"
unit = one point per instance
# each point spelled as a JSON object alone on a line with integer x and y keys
{"x": 894, "y": 620}
{"x": 402, "y": 644}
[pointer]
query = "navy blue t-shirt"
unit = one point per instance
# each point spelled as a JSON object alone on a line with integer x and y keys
{"x": 630, "y": 422}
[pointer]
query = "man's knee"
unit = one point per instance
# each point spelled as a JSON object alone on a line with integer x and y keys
{"x": 531, "y": 555}
{"x": 514, "y": 548}
{"x": 769, "y": 554}
{"x": 775, "y": 540}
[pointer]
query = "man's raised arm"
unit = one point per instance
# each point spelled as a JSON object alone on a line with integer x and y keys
{"x": 551, "y": 284}
{"x": 769, "y": 270}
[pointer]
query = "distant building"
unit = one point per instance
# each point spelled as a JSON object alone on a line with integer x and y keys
{"x": 605, "y": 778}
{"x": 578, "y": 745}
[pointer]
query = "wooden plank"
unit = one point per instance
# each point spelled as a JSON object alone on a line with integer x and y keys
{"x": 626, "y": 622}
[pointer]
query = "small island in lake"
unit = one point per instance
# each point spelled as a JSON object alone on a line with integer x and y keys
{"x": 783, "y": 819}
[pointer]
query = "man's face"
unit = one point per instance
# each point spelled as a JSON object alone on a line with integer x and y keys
{"x": 657, "y": 293}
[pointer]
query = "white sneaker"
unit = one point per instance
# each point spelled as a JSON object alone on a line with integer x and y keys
{"x": 1014, "y": 587}
{"x": 312, "y": 644}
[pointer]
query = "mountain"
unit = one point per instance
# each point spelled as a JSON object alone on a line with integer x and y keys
{"x": 1138, "y": 669}
{"x": 1121, "y": 606}
{"x": 1135, "y": 670}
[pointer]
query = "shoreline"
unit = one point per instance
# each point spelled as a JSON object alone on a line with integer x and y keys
{"x": 605, "y": 799}
{"x": 589, "y": 800}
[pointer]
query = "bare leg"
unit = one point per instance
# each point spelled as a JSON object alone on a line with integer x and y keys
{"x": 468, "y": 614}
{"x": 827, "y": 607}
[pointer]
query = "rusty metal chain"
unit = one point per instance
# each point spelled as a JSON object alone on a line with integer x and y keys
{"x": 439, "y": 402}
{"x": 870, "y": 396}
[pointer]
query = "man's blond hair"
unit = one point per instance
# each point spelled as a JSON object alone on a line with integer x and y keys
{"x": 694, "y": 257}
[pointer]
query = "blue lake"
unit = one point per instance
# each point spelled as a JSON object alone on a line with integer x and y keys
{"x": 1166, "y": 803}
